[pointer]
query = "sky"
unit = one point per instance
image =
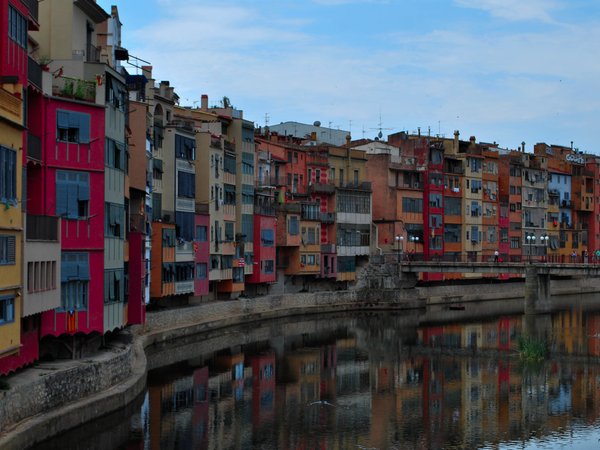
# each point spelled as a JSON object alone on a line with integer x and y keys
{"x": 505, "y": 71}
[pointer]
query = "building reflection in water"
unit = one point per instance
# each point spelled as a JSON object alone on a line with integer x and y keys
{"x": 376, "y": 384}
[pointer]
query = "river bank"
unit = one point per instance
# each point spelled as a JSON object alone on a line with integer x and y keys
{"x": 51, "y": 398}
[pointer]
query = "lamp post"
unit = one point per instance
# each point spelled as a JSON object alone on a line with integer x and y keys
{"x": 415, "y": 241}
{"x": 544, "y": 240}
{"x": 399, "y": 241}
{"x": 530, "y": 240}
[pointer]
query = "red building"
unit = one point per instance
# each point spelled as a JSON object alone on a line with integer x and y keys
{"x": 70, "y": 184}
{"x": 263, "y": 390}
{"x": 264, "y": 247}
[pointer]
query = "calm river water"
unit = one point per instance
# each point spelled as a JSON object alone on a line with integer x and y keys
{"x": 367, "y": 380}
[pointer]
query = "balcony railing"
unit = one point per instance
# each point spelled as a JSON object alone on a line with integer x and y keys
{"x": 34, "y": 147}
{"x": 327, "y": 217}
{"x": 322, "y": 187}
{"x": 74, "y": 88}
{"x": 137, "y": 222}
{"x": 32, "y": 6}
{"x": 42, "y": 228}
{"x": 34, "y": 72}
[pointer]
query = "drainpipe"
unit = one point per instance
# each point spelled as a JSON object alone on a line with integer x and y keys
{"x": 374, "y": 227}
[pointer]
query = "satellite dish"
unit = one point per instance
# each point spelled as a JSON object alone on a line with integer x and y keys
{"x": 317, "y": 123}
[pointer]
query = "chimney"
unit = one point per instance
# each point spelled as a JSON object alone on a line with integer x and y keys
{"x": 419, "y": 131}
{"x": 204, "y": 102}
{"x": 456, "y": 135}
{"x": 348, "y": 139}
{"x": 523, "y": 146}
{"x": 571, "y": 145}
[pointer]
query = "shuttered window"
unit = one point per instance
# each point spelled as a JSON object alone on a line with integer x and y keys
{"x": 75, "y": 276}
{"x": 72, "y": 126}
{"x": 8, "y": 175}
{"x": 7, "y": 249}
{"x": 186, "y": 184}
{"x": 72, "y": 194}
{"x": 114, "y": 216}
{"x": 184, "y": 225}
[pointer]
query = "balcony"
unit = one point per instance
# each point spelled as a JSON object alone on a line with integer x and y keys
{"x": 359, "y": 186}
{"x": 42, "y": 228}
{"x": 264, "y": 210}
{"x": 137, "y": 222}
{"x": 328, "y": 248}
{"x": 32, "y": 6}
{"x": 74, "y": 88}
{"x": 202, "y": 208}
{"x": 294, "y": 208}
{"x": 34, "y": 147}
{"x": 229, "y": 146}
{"x": 322, "y": 187}
{"x": 34, "y": 72}
{"x": 327, "y": 217}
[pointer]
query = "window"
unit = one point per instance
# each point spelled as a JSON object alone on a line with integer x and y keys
{"x": 201, "y": 271}
{"x": 156, "y": 206}
{"x": 72, "y": 194}
{"x": 229, "y": 163}
{"x": 185, "y": 148}
{"x": 332, "y": 174}
{"x": 412, "y": 205}
{"x": 168, "y": 237}
{"x": 353, "y": 202}
{"x": 17, "y": 27}
{"x": 72, "y": 126}
{"x": 7, "y": 310}
{"x": 8, "y": 175}
{"x": 229, "y": 194}
{"x": 114, "y": 286}
{"x": 114, "y": 216}
{"x": 7, "y": 249}
{"x": 75, "y": 276}
{"x": 41, "y": 275}
{"x": 268, "y": 266}
{"x": 184, "y": 225}
{"x": 248, "y": 227}
{"x": 293, "y": 225}
{"x": 201, "y": 233}
{"x": 515, "y": 242}
{"x": 267, "y": 238}
{"x": 452, "y": 206}
{"x": 452, "y": 233}
{"x": 186, "y": 184}
{"x": 229, "y": 231}
{"x": 115, "y": 156}
{"x": 435, "y": 200}
{"x": 356, "y": 178}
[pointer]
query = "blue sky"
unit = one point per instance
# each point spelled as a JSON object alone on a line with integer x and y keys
{"x": 501, "y": 70}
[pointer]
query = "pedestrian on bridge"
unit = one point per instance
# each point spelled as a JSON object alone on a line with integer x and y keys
{"x": 496, "y": 255}
{"x": 574, "y": 256}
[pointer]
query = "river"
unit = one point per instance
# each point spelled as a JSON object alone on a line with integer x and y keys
{"x": 367, "y": 380}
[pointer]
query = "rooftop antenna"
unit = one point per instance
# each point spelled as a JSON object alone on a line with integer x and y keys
{"x": 266, "y": 120}
{"x": 380, "y": 128}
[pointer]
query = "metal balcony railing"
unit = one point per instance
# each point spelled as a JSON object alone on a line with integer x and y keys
{"x": 42, "y": 228}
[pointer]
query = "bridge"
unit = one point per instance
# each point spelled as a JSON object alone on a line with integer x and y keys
{"x": 537, "y": 274}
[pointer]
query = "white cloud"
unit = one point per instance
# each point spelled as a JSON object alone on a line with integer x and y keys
{"x": 519, "y": 10}
{"x": 497, "y": 86}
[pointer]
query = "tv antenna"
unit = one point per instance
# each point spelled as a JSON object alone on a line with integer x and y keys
{"x": 380, "y": 128}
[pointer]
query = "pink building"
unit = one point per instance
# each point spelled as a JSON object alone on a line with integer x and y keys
{"x": 70, "y": 185}
{"x": 264, "y": 247}
{"x": 201, "y": 253}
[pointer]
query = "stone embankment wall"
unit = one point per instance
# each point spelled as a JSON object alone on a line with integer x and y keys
{"x": 43, "y": 406}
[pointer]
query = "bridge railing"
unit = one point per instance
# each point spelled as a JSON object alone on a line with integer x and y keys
{"x": 485, "y": 257}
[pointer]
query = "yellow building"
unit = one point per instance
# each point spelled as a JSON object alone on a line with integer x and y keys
{"x": 11, "y": 219}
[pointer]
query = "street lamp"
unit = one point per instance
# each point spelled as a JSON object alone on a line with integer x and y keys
{"x": 415, "y": 241}
{"x": 544, "y": 240}
{"x": 399, "y": 240}
{"x": 530, "y": 240}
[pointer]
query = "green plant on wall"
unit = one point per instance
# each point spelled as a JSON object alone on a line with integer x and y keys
{"x": 68, "y": 88}
{"x": 80, "y": 90}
